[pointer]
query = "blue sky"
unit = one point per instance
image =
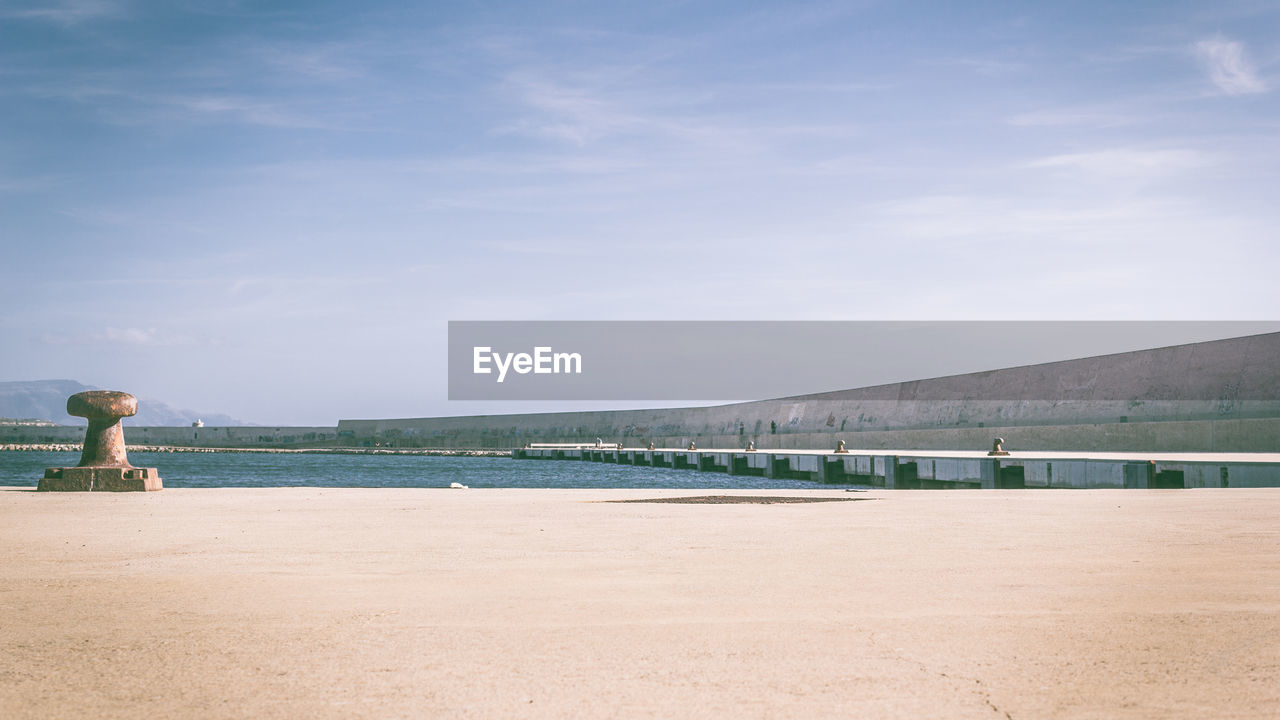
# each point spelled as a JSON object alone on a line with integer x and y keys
{"x": 272, "y": 209}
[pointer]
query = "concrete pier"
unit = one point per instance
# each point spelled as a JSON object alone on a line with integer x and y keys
{"x": 916, "y": 469}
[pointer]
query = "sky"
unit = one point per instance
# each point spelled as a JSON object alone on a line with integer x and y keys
{"x": 272, "y": 209}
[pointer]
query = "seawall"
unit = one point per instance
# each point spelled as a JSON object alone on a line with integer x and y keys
{"x": 238, "y": 436}
{"x": 1219, "y": 396}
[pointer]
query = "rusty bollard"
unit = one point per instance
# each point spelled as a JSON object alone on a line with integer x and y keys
{"x": 104, "y": 466}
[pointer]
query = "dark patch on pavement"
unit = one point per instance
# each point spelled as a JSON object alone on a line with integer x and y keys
{"x": 739, "y": 499}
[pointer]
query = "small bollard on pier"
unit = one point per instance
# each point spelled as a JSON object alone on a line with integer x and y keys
{"x": 104, "y": 465}
{"x": 997, "y": 447}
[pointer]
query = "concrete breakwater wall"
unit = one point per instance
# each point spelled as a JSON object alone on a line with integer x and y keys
{"x": 495, "y": 433}
{"x": 1220, "y": 396}
{"x": 212, "y": 437}
{"x": 1215, "y": 396}
{"x": 509, "y": 431}
{"x": 77, "y": 447}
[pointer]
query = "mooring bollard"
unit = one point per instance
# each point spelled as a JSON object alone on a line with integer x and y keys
{"x": 997, "y": 447}
{"x": 104, "y": 465}
{"x": 840, "y": 447}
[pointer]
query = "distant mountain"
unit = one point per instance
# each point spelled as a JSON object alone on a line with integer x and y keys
{"x": 47, "y": 400}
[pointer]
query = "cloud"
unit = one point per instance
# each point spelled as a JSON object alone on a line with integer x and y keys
{"x": 571, "y": 114}
{"x": 129, "y": 336}
{"x": 1228, "y": 68}
{"x": 620, "y": 124}
{"x": 1127, "y": 162}
{"x": 986, "y": 66}
{"x": 141, "y": 337}
{"x": 242, "y": 110}
{"x": 113, "y": 96}
{"x": 1054, "y": 222}
{"x": 67, "y": 12}
{"x": 323, "y": 61}
{"x": 1072, "y": 117}
{"x": 32, "y": 183}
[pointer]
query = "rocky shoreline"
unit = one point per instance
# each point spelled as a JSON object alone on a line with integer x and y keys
{"x": 77, "y": 447}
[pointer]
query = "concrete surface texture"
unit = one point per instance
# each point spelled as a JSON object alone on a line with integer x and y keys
{"x": 285, "y": 603}
{"x": 1222, "y": 395}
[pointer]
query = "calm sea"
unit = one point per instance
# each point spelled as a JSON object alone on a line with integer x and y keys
{"x": 187, "y": 470}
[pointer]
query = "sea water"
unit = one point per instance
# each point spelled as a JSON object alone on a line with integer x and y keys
{"x": 202, "y": 470}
